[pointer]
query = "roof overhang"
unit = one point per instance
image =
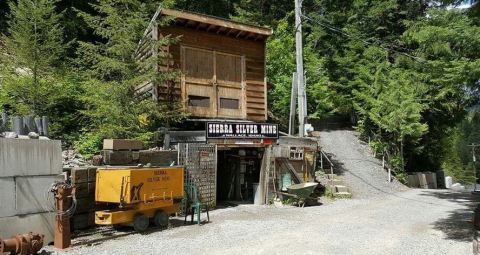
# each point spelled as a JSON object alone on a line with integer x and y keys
{"x": 214, "y": 24}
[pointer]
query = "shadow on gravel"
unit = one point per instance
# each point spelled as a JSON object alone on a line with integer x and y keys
{"x": 458, "y": 224}
{"x": 96, "y": 236}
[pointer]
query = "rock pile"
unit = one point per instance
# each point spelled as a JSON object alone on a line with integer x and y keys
{"x": 72, "y": 158}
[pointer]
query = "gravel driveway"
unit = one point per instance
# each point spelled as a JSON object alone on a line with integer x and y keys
{"x": 384, "y": 218}
{"x": 356, "y": 166}
{"x": 411, "y": 222}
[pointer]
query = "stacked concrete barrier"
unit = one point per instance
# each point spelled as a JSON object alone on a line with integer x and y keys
{"x": 423, "y": 180}
{"x": 27, "y": 169}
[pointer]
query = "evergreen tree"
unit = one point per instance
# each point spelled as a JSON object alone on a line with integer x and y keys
{"x": 113, "y": 73}
{"x": 34, "y": 46}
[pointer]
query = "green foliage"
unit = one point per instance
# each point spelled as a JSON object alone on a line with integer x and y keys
{"x": 405, "y": 70}
{"x": 458, "y": 161}
{"x": 34, "y": 46}
{"x": 89, "y": 144}
{"x": 113, "y": 73}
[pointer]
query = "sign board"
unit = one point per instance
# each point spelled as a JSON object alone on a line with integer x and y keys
{"x": 232, "y": 130}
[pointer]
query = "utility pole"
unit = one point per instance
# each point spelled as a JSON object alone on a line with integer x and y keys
{"x": 293, "y": 104}
{"x": 300, "y": 73}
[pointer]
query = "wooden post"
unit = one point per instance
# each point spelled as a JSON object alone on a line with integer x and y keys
{"x": 63, "y": 196}
{"x": 300, "y": 72}
{"x": 383, "y": 162}
{"x": 293, "y": 104}
{"x": 321, "y": 160}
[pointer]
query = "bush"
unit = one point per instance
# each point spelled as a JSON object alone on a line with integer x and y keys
{"x": 89, "y": 144}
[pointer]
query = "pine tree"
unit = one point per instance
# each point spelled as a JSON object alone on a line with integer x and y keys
{"x": 34, "y": 45}
{"x": 113, "y": 72}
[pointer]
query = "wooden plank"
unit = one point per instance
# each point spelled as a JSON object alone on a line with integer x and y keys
{"x": 217, "y": 22}
{"x": 255, "y": 100}
{"x": 259, "y": 106}
{"x": 255, "y": 94}
{"x": 86, "y": 189}
{"x": 83, "y": 175}
{"x": 255, "y": 111}
{"x": 255, "y": 88}
{"x": 253, "y": 50}
{"x": 260, "y": 114}
{"x": 256, "y": 82}
{"x": 83, "y": 221}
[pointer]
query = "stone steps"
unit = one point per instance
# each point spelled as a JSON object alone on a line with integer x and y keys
{"x": 339, "y": 190}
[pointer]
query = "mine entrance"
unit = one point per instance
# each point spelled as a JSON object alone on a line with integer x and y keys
{"x": 238, "y": 174}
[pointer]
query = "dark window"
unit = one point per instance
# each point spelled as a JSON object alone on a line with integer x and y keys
{"x": 229, "y": 103}
{"x": 198, "y": 101}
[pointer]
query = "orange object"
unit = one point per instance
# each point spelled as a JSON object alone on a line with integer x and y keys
{"x": 63, "y": 199}
{"x": 25, "y": 244}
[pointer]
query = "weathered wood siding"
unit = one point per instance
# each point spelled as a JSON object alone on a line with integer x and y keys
{"x": 250, "y": 87}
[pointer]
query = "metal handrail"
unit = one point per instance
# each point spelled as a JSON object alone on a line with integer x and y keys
{"x": 322, "y": 155}
{"x": 325, "y": 155}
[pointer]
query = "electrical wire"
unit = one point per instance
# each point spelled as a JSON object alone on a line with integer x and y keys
{"x": 50, "y": 203}
{"x": 337, "y": 30}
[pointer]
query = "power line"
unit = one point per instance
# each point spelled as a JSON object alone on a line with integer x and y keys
{"x": 337, "y": 30}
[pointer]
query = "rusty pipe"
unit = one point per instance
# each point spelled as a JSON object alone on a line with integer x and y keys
{"x": 26, "y": 244}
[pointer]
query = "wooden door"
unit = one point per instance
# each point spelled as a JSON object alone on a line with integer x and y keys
{"x": 230, "y": 89}
{"x": 199, "y": 92}
{"x": 213, "y": 83}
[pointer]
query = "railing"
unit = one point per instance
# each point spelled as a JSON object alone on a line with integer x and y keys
{"x": 323, "y": 155}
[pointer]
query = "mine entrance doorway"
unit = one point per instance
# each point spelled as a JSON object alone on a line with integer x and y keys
{"x": 238, "y": 174}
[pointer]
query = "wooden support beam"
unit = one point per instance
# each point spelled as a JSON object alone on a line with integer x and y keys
{"x": 216, "y": 21}
{"x": 231, "y": 31}
{"x": 221, "y": 29}
{"x": 239, "y": 34}
{"x": 210, "y": 27}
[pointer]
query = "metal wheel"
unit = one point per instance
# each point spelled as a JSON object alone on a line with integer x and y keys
{"x": 160, "y": 219}
{"x": 140, "y": 223}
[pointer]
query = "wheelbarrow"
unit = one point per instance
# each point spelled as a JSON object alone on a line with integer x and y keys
{"x": 300, "y": 192}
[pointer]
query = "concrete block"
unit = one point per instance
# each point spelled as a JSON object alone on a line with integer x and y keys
{"x": 422, "y": 180}
{"x": 7, "y": 197}
{"x": 431, "y": 180}
{"x": 122, "y": 144}
{"x": 413, "y": 181}
{"x": 20, "y": 157}
{"x": 42, "y": 223}
{"x": 341, "y": 189}
{"x": 30, "y": 193}
{"x": 158, "y": 158}
{"x": 117, "y": 158}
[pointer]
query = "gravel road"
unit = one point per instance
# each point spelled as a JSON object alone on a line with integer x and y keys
{"x": 412, "y": 222}
{"x": 383, "y": 218}
{"x": 356, "y": 166}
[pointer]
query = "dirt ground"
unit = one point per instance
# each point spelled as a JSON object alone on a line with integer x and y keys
{"x": 411, "y": 222}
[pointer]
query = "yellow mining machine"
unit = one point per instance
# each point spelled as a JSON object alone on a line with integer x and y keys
{"x": 139, "y": 195}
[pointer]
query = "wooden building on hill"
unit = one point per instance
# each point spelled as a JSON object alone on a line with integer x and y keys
{"x": 226, "y": 144}
{"x": 222, "y": 65}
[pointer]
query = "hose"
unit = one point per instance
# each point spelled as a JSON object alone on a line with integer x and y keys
{"x": 50, "y": 203}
